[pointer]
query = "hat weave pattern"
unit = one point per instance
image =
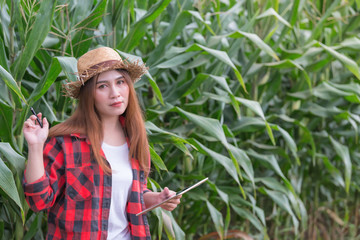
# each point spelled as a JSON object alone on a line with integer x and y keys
{"x": 101, "y": 60}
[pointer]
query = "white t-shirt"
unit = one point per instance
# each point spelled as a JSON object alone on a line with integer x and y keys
{"x": 118, "y": 157}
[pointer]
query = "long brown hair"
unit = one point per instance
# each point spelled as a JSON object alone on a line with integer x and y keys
{"x": 86, "y": 120}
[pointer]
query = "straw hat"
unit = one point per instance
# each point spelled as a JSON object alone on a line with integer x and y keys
{"x": 101, "y": 60}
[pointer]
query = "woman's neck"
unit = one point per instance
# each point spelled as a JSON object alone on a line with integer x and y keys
{"x": 113, "y": 132}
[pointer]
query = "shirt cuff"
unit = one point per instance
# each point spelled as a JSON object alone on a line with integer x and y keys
{"x": 37, "y": 187}
{"x": 146, "y": 191}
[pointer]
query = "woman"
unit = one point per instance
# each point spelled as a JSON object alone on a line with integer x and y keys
{"x": 90, "y": 172}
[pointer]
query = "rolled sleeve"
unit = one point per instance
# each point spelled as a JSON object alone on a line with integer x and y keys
{"x": 42, "y": 193}
{"x": 36, "y": 188}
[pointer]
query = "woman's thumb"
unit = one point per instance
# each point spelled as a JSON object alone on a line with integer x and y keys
{"x": 166, "y": 192}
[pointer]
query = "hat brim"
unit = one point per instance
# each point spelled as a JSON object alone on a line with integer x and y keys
{"x": 135, "y": 70}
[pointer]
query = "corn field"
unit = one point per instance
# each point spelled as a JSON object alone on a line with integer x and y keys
{"x": 261, "y": 96}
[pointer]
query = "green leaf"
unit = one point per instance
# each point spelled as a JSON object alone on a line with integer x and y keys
{"x": 259, "y": 212}
{"x": 81, "y": 9}
{"x": 222, "y": 56}
{"x": 271, "y": 160}
{"x": 247, "y": 124}
{"x": 282, "y": 201}
{"x": 349, "y": 63}
{"x": 152, "y": 127}
{"x": 256, "y": 108}
{"x": 156, "y": 159}
{"x": 227, "y": 220}
{"x": 15, "y": 159}
{"x": 247, "y": 215}
{"x": 244, "y": 161}
{"x": 335, "y": 173}
{"x": 4, "y": 94}
{"x": 222, "y": 194}
{"x": 210, "y": 125}
{"x": 272, "y": 183}
{"x": 157, "y": 211}
{"x": 69, "y": 67}
{"x": 295, "y": 11}
{"x": 39, "y": 31}
{"x": 223, "y": 160}
{"x": 321, "y": 24}
{"x": 10, "y": 82}
{"x": 353, "y": 43}
{"x": 176, "y": 61}
{"x": 3, "y": 61}
{"x": 222, "y": 82}
{"x": 321, "y": 111}
{"x": 179, "y": 233}
{"x": 81, "y": 41}
{"x": 34, "y": 227}
{"x": 180, "y": 145}
{"x": 50, "y": 76}
{"x": 289, "y": 141}
{"x": 6, "y": 122}
{"x": 175, "y": 139}
{"x": 176, "y": 26}
{"x": 270, "y": 133}
{"x": 257, "y": 41}
{"x": 253, "y": 106}
{"x": 343, "y": 152}
{"x": 133, "y": 58}
{"x": 328, "y": 92}
{"x": 200, "y": 78}
{"x": 277, "y": 186}
{"x": 7, "y": 184}
{"x": 138, "y": 30}
{"x": 272, "y": 12}
{"x": 198, "y": 16}
{"x": 216, "y": 218}
{"x": 287, "y": 63}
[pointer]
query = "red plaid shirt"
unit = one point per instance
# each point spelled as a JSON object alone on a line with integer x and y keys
{"x": 77, "y": 193}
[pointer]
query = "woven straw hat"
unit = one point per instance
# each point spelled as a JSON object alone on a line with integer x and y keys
{"x": 101, "y": 60}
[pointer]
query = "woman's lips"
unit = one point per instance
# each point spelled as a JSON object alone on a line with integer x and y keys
{"x": 116, "y": 104}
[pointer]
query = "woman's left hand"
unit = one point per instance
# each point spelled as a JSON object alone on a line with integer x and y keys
{"x": 172, "y": 204}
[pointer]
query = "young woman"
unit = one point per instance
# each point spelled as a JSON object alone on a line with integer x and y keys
{"x": 90, "y": 172}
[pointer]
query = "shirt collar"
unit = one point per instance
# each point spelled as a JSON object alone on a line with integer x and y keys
{"x": 81, "y": 136}
{"x": 122, "y": 121}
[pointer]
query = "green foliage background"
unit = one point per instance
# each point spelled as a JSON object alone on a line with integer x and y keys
{"x": 260, "y": 96}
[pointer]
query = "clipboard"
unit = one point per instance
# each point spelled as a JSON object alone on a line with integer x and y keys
{"x": 168, "y": 199}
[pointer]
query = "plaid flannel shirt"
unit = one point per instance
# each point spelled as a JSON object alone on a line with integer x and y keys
{"x": 77, "y": 193}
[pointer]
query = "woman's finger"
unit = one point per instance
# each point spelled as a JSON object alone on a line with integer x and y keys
{"x": 32, "y": 117}
{"x": 45, "y": 122}
{"x": 174, "y": 201}
{"x": 28, "y": 123}
{"x": 170, "y": 206}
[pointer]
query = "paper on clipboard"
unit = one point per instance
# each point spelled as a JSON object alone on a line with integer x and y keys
{"x": 168, "y": 199}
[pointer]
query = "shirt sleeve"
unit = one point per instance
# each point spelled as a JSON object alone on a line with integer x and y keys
{"x": 42, "y": 193}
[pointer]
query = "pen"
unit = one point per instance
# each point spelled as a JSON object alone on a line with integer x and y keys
{"x": 32, "y": 110}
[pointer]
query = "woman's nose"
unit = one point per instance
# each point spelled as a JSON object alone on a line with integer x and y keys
{"x": 114, "y": 91}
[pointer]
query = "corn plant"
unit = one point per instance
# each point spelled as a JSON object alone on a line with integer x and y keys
{"x": 262, "y": 97}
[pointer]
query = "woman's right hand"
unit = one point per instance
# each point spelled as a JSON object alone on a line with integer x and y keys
{"x": 33, "y": 133}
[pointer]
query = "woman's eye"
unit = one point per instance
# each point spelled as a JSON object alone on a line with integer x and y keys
{"x": 120, "y": 82}
{"x": 102, "y": 86}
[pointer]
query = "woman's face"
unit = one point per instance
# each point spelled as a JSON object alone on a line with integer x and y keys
{"x": 111, "y": 94}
